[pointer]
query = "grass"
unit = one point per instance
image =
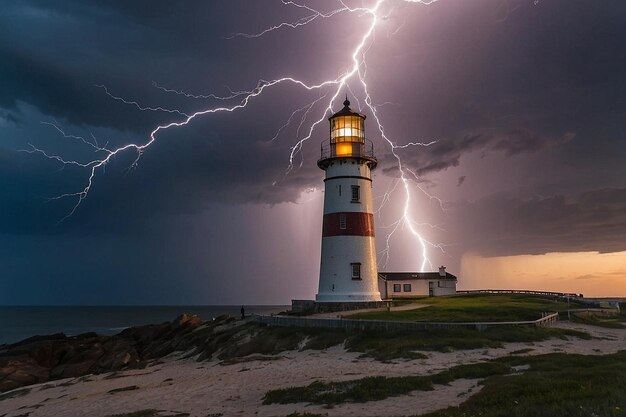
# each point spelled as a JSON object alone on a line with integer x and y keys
{"x": 128, "y": 388}
{"x": 140, "y": 413}
{"x": 389, "y": 346}
{"x": 273, "y": 340}
{"x": 473, "y": 308}
{"x": 383, "y": 346}
{"x": 554, "y": 385}
{"x": 522, "y": 351}
{"x": 607, "y": 322}
{"x": 254, "y": 339}
{"x": 613, "y": 322}
{"x": 15, "y": 393}
{"x": 153, "y": 413}
{"x": 379, "y": 387}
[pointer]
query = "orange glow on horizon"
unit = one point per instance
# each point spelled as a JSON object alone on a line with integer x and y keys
{"x": 593, "y": 274}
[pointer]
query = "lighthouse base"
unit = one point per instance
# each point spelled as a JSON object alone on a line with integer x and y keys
{"x": 334, "y": 297}
{"x": 314, "y": 307}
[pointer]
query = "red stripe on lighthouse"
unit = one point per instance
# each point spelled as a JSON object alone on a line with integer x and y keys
{"x": 356, "y": 224}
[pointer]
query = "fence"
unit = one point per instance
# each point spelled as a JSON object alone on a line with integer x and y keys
{"x": 532, "y": 292}
{"x": 350, "y": 324}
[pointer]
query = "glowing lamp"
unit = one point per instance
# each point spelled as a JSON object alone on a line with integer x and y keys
{"x": 347, "y": 132}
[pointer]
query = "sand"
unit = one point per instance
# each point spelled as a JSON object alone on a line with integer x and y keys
{"x": 213, "y": 388}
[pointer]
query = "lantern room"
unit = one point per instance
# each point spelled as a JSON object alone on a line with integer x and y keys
{"x": 347, "y": 131}
{"x": 347, "y": 137}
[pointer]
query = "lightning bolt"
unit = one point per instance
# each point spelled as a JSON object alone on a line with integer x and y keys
{"x": 329, "y": 90}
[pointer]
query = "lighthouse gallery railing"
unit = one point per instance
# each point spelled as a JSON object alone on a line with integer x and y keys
{"x": 363, "y": 149}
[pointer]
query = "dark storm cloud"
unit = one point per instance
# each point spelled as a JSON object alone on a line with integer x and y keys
{"x": 7, "y": 117}
{"x": 125, "y": 46}
{"x": 510, "y": 80}
{"x": 503, "y": 225}
{"x": 522, "y": 140}
{"x": 448, "y": 153}
{"x": 52, "y": 54}
{"x": 524, "y": 84}
{"x": 179, "y": 175}
{"x": 57, "y": 76}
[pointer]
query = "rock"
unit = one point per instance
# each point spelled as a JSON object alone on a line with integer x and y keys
{"x": 42, "y": 358}
{"x": 187, "y": 320}
{"x": 70, "y": 370}
{"x": 33, "y": 339}
{"x": 88, "y": 335}
{"x": 21, "y": 371}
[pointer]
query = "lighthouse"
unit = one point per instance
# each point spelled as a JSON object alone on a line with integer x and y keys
{"x": 348, "y": 269}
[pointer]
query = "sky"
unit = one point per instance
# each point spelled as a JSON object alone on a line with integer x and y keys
{"x": 524, "y": 185}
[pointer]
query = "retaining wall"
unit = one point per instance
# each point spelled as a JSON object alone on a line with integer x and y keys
{"x": 385, "y": 325}
{"x": 313, "y": 307}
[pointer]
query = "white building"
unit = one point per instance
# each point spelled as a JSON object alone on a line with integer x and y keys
{"x": 348, "y": 269}
{"x": 413, "y": 284}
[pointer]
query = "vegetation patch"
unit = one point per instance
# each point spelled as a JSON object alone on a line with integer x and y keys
{"x": 555, "y": 385}
{"x": 379, "y": 387}
{"x": 155, "y": 413}
{"x": 616, "y": 321}
{"x": 319, "y": 339}
{"x": 140, "y": 413}
{"x": 14, "y": 394}
{"x": 387, "y": 346}
{"x": 273, "y": 340}
{"x": 474, "y": 308}
{"x": 522, "y": 351}
{"x": 250, "y": 358}
{"x": 383, "y": 346}
{"x": 128, "y": 388}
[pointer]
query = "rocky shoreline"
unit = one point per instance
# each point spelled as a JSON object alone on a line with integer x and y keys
{"x": 223, "y": 367}
{"x": 44, "y": 358}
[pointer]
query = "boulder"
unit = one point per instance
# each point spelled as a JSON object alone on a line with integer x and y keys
{"x": 42, "y": 358}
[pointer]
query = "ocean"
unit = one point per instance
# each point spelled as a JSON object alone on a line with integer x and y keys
{"x": 18, "y": 323}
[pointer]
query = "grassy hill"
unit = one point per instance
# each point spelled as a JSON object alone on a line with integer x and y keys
{"x": 473, "y": 308}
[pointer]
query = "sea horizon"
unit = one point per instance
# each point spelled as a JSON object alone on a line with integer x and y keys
{"x": 18, "y": 322}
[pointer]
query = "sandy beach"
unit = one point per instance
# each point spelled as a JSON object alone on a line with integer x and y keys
{"x": 215, "y": 388}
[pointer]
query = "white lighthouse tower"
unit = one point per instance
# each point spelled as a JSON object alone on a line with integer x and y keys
{"x": 348, "y": 271}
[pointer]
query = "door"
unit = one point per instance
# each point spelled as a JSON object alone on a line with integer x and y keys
{"x": 431, "y": 289}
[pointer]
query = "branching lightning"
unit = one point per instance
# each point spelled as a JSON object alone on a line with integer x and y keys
{"x": 329, "y": 90}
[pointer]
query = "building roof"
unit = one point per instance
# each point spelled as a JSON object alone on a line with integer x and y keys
{"x": 401, "y": 276}
{"x": 346, "y": 111}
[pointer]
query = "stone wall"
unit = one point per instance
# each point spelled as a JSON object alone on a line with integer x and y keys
{"x": 313, "y": 307}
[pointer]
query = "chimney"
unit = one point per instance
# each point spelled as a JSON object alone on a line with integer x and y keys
{"x": 442, "y": 271}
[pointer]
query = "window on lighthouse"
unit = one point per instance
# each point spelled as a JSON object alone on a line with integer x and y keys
{"x": 356, "y": 194}
{"x": 356, "y": 270}
{"x": 342, "y": 221}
